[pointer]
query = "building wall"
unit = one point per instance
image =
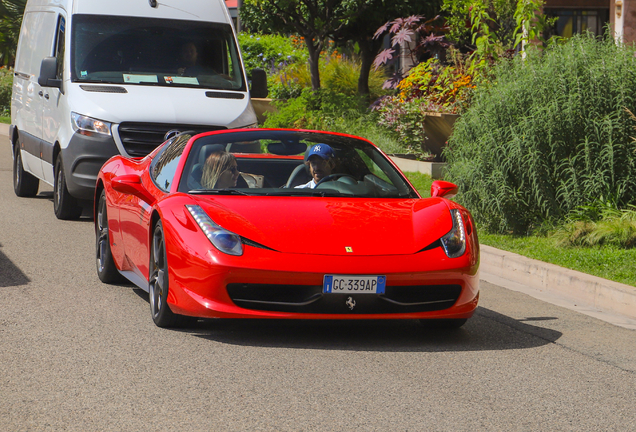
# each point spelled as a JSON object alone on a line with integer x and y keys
{"x": 578, "y": 4}
{"x": 623, "y": 20}
{"x": 622, "y": 14}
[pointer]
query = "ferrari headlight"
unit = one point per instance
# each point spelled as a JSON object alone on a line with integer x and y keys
{"x": 454, "y": 243}
{"x": 89, "y": 126}
{"x": 222, "y": 239}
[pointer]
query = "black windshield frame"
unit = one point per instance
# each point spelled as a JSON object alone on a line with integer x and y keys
{"x": 347, "y": 148}
{"x": 106, "y": 49}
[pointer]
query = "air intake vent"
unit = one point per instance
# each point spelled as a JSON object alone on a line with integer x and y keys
{"x": 139, "y": 139}
{"x": 224, "y": 95}
{"x": 103, "y": 89}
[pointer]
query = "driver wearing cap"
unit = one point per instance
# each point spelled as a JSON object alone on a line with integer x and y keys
{"x": 321, "y": 162}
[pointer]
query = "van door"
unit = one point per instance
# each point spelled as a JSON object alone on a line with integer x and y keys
{"x": 36, "y": 42}
{"x": 52, "y": 114}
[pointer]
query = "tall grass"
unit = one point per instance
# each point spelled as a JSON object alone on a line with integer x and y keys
{"x": 549, "y": 134}
{"x": 338, "y": 74}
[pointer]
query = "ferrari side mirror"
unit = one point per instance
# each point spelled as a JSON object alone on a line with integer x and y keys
{"x": 441, "y": 188}
{"x": 130, "y": 184}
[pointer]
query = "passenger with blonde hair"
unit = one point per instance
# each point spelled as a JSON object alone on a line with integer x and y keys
{"x": 220, "y": 171}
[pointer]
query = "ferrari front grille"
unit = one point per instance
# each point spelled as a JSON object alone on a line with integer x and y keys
{"x": 310, "y": 299}
{"x": 139, "y": 139}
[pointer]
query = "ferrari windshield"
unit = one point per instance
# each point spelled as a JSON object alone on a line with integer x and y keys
{"x": 290, "y": 163}
{"x": 160, "y": 52}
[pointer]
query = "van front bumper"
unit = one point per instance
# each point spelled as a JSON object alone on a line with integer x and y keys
{"x": 82, "y": 160}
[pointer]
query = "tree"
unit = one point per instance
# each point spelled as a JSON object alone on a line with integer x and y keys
{"x": 501, "y": 23}
{"x": 360, "y": 29}
{"x": 11, "y": 12}
{"x": 315, "y": 20}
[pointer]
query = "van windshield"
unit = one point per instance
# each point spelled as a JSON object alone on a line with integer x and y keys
{"x": 159, "y": 52}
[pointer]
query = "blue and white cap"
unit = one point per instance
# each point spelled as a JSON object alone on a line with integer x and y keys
{"x": 322, "y": 150}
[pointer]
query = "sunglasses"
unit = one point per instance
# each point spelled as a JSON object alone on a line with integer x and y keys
{"x": 233, "y": 170}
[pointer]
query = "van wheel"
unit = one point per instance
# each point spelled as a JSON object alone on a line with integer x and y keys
{"x": 24, "y": 184}
{"x": 65, "y": 205}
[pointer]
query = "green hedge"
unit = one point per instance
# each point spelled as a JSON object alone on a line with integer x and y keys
{"x": 6, "y": 86}
{"x": 549, "y": 134}
{"x": 269, "y": 52}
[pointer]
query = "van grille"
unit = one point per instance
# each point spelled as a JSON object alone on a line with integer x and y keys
{"x": 139, "y": 139}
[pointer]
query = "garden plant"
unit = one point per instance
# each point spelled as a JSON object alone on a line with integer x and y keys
{"x": 550, "y": 133}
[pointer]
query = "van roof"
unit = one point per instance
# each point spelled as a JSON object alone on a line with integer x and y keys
{"x": 193, "y": 10}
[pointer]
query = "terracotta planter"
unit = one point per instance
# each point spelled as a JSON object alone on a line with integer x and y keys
{"x": 262, "y": 106}
{"x": 438, "y": 127}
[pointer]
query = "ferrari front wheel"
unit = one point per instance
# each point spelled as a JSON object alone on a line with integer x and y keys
{"x": 106, "y": 269}
{"x": 158, "y": 282}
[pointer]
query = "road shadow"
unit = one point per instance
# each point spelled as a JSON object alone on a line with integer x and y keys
{"x": 487, "y": 330}
{"x": 87, "y": 212}
{"x": 10, "y": 274}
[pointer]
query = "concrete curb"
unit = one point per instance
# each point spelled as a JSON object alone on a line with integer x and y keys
{"x": 4, "y": 129}
{"x": 580, "y": 288}
{"x": 434, "y": 169}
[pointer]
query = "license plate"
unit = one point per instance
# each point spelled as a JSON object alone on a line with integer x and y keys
{"x": 343, "y": 284}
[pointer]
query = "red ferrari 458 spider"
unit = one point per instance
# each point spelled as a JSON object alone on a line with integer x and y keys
{"x": 263, "y": 223}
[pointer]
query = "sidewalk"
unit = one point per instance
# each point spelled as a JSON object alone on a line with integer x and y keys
{"x": 601, "y": 298}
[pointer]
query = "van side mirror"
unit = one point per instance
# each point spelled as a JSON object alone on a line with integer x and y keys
{"x": 441, "y": 188}
{"x": 259, "y": 84}
{"x": 48, "y": 73}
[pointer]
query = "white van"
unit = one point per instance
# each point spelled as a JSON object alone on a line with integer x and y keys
{"x": 96, "y": 78}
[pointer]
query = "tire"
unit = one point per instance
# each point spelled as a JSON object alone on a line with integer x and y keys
{"x": 106, "y": 269}
{"x": 443, "y": 323}
{"x": 65, "y": 205}
{"x": 24, "y": 183}
{"x": 158, "y": 282}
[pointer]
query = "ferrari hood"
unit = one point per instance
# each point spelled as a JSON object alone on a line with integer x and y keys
{"x": 327, "y": 226}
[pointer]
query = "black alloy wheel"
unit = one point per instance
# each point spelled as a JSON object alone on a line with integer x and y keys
{"x": 24, "y": 183}
{"x": 158, "y": 282}
{"x": 65, "y": 205}
{"x": 106, "y": 269}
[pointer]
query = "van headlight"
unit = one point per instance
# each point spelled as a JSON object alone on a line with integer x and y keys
{"x": 454, "y": 243}
{"x": 224, "y": 240}
{"x": 89, "y": 126}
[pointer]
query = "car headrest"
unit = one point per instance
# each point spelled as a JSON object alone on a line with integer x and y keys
{"x": 207, "y": 150}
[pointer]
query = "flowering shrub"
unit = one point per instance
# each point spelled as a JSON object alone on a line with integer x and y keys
{"x": 269, "y": 52}
{"x": 288, "y": 82}
{"x": 439, "y": 88}
{"x": 413, "y": 36}
{"x": 405, "y": 119}
{"x": 339, "y": 74}
{"x": 429, "y": 87}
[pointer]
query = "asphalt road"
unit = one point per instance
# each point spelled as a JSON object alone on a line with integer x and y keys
{"x": 79, "y": 355}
